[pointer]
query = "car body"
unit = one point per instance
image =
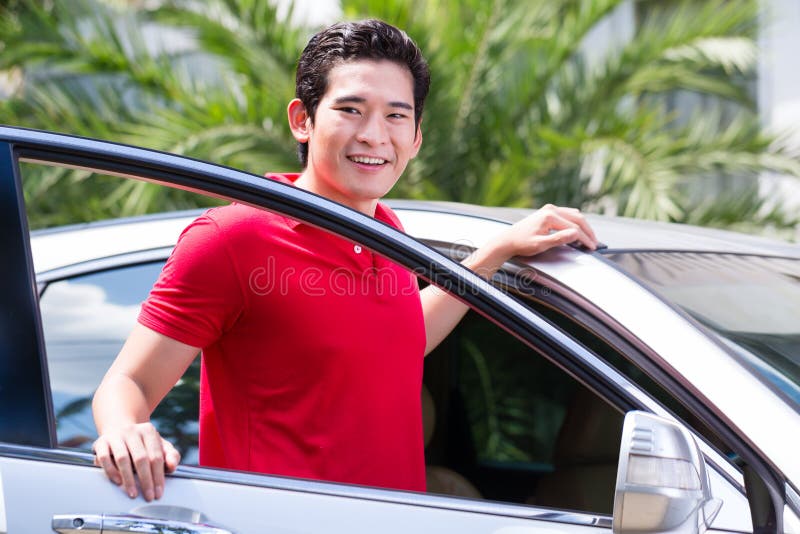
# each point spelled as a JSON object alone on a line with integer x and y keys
{"x": 528, "y": 394}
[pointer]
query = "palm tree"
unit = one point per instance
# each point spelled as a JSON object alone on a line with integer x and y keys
{"x": 214, "y": 88}
{"x": 516, "y": 115}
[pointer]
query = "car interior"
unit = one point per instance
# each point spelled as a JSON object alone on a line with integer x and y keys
{"x": 513, "y": 427}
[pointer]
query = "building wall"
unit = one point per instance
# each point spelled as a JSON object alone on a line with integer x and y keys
{"x": 779, "y": 86}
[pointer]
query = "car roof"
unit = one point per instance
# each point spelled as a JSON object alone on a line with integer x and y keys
{"x": 627, "y": 234}
{"x": 452, "y": 222}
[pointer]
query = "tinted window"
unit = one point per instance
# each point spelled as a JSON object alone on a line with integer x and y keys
{"x": 515, "y": 427}
{"x": 86, "y": 320}
{"x": 603, "y": 340}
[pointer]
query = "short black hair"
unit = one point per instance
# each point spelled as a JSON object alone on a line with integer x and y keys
{"x": 366, "y": 39}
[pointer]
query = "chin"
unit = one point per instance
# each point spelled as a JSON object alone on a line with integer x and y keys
{"x": 373, "y": 193}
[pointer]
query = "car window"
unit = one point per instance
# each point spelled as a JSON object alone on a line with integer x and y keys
{"x": 604, "y": 341}
{"x": 511, "y": 426}
{"x": 750, "y": 302}
{"x": 85, "y": 321}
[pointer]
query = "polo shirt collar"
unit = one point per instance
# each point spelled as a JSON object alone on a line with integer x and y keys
{"x": 381, "y": 211}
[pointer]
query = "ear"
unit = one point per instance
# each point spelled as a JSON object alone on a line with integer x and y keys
{"x": 299, "y": 120}
{"x": 417, "y": 139}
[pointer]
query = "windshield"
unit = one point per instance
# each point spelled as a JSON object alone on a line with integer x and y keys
{"x": 751, "y": 302}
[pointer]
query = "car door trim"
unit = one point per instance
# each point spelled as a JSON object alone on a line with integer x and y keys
{"x": 26, "y": 407}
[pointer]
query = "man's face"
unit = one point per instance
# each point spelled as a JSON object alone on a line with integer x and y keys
{"x": 363, "y": 134}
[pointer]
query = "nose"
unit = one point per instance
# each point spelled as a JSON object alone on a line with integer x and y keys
{"x": 372, "y": 130}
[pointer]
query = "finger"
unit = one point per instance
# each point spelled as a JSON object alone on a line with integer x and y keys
{"x": 171, "y": 456}
{"x": 102, "y": 458}
{"x": 141, "y": 462}
{"x": 155, "y": 460}
{"x": 576, "y": 217}
{"x": 122, "y": 459}
{"x": 555, "y": 221}
{"x": 563, "y": 237}
{"x": 541, "y": 243}
{"x": 585, "y": 240}
{"x": 563, "y": 220}
{"x": 587, "y": 230}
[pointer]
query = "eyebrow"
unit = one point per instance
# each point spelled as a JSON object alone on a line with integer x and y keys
{"x": 352, "y": 99}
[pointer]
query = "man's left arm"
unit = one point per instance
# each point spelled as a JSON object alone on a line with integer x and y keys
{"x": 549, "y": 227}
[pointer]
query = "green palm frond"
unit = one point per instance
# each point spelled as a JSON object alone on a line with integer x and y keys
{"x": 247, "y": 35}
{"x": 517, "y": 114}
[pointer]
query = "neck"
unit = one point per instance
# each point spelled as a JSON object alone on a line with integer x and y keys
{"x": 312, "y": 183}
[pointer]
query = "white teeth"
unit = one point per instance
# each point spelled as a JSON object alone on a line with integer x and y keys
{"x": 368, "y": 161}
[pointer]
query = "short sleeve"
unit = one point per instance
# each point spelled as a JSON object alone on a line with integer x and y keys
{"x": 197, "y": 296}
{"x": 385, "y": 214}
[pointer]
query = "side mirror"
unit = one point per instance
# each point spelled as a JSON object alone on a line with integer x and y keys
{"x": 662, "y": 483}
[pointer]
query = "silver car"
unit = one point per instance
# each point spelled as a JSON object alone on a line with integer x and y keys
{"x": 651, "y": 386}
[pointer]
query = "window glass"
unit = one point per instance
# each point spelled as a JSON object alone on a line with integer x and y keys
{"x": 56, "y": 196}
{"x": 86, "y": 319}
{"x": 751, "y": 302}
{"x": 604, "y": 341}
{"x": 514, "y": 427}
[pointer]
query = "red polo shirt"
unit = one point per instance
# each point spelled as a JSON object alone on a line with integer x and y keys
{"x": 312, "y": 348}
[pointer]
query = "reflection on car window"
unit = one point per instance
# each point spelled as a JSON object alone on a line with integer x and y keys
{"x": 86, "y": 319}
{"x": 751, "y": 302}
{"x": 57, "y": 196}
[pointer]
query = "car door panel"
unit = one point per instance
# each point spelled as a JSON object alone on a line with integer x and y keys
{"x": 42, "y": 489}
{"x": 23, "y": 396}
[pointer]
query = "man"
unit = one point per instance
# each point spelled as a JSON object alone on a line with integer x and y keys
{"x": 302, "y": 380}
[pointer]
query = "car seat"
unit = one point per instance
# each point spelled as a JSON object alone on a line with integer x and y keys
{"x": 585, "y": 457}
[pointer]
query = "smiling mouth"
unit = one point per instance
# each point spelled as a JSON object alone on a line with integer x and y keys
{"x": 364, "y": 160}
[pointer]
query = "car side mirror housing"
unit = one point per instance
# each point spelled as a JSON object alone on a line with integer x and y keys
{"x": 662, "y": 483}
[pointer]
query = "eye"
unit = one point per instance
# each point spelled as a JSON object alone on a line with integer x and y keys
{"x": 348, "y": 110}
{"x": 398, "y": 116}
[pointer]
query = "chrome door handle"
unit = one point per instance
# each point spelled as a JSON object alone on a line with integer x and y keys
{"x": 107, "y": 523}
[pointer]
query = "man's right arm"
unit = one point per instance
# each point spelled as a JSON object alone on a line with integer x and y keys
{"x": 147, "y": 367}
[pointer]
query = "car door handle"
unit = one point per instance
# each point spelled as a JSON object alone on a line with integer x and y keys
{"x": 107, "y": 523}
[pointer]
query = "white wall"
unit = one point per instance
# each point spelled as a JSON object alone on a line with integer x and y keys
{"x": 779, "y": 86}
{"x": 312, "y": 12}
{"x": 779, "y": 76}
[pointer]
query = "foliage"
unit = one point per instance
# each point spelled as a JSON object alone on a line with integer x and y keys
{"x": 516, "y": 116}
{"x": 101, "y": 71}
